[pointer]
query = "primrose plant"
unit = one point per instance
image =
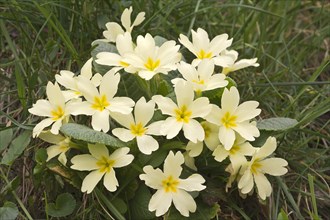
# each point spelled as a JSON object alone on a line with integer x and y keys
{"x": 148, "y": 113}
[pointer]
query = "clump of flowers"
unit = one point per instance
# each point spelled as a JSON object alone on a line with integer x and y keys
{"x": 157, "y": 104}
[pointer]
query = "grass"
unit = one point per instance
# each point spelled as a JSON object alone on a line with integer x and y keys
{"x": 290, "y": 39}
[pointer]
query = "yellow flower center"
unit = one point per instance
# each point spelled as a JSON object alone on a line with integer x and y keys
{"x": 255, "y": 167}
{"x": 100, "y": 103}
{"x": 228, "y": 120}
{"x": 138, "y": 129}
{"x": 203, "y": 55}
{"x": 227, "y": 70}
{"x": 234, "y": 149}
{"x": 200, "y": 82}
{"x": 170, "y": 184}
{"x": 123, "y": 64}
{"x": 182, "y": 114}
{"x": 77, "y": 93}
{"x": 57, "y": 113}
{"x": 207, "y": 130}
{"x": 151, "y": 64}
{"x": 105, "y": 164}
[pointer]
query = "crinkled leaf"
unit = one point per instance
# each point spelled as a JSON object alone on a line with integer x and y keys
{"x": 5, "y": 138}
{"x": 103, "y": 47}
{"x": 102, "y": 19}
{"x": 139, "y": 205}
{"x": 81, "y": 132}
{"x": 159, "y": 40}
{"x": 8, "y": 211}
{"x": 64, "y": 206}
{"x": 276, "y": 124}
{"x": 16, "y": 147}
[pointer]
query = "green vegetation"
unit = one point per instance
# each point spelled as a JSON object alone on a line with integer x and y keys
{"x": 290, "y": 39}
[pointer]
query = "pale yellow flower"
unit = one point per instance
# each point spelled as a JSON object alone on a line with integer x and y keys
{"x": 202, "y": 47}
{"x": 149, "y": 59}
{"x": 259, "y": 166}
{"x": 170, "y": 187}
{"x": 60, "y": 146}
{"x": 55, "y": 109}
{"x": 101, "y": 163}
{"x": 182, "y": 115}
{"x": 233, "y": 118}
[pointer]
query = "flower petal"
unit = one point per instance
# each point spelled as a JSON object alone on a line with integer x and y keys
{"x": 84, "y": 162}
{"x": 200, "y": 107}
{"x": 91, "y": 181}
{"x": 247, "y": 130}
{"x": 184, "y": 93}
{"x": 192, "y": 183}
{"x": 226, "y": 137}
{"x": 41, "y": 125}
{"x": 110, "y": 181}
{"x": 100, "y": 121}
{"x": 172, "y": 164}
{"x": 171, "y": 127}
{"x": 124, "y": 120}
{"x": 247, "y": 110}
{"x": 230, "y": 100}
{"x": 152, "y": 177}
{"x": 41, "y": 108}
{"x": 87, "y": 88}
{"x": 215, "y": 115}
{"x": 144, "y": 111}
{"x": 121, "y": 105}
{"x": 109, "y": 84}
{"x": 98, "y": 150}
{"x": 121, "y": 157}
{"x": 166, "y": 105}
{"x": 86, "y": 70}
{"x": 123, "y": 134}
{"x": 274, "y": 166}
{"x": 147, "y": 144}
{"x": 267, "y": 149}
{"x": 184, "y": 202}
{"x": 56, "y": 127}
{"x": 160, "y": 202}
{"x": 220, "y": 153}
{"x": 193, "y": 131}
{"x": 53, "y": 151}
{"x": 80, "y": 108}
{"x": 194, "y": 149}
{"x": 263, "y": 185}
{"x": 55, "y": 95}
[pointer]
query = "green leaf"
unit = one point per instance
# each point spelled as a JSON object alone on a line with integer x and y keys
{"x": 159, "y": 40}
{"x": 276, "y": 124}
{"x": 41, "y": 156}
{"x": 282, "y": 215}
{"x": 120, "y": 205}
{"x": 155, "y": 159}
{"x": 16, "y": 147}
{"x": 81, "y": 132}
{"x": 8, "y": 211}
{"x": 103, "y": 47}
{"x": 64, "y": 205}
{"x": 139, "y": 205}
{"x": 5, "y": 138}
